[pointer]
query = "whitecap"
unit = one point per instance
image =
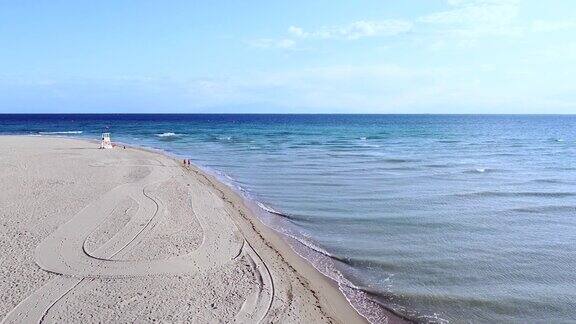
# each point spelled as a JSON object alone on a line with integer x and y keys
{"x": 60, "y": 133}
{"x": 167, "y": 134}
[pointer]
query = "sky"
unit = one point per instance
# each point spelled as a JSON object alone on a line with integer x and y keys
{"x": 324, "y": 56}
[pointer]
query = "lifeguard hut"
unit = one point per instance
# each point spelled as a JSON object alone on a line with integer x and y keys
{"x": 106, "y": 142}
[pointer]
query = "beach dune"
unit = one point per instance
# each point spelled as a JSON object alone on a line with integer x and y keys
{"x": 127, "y": 235}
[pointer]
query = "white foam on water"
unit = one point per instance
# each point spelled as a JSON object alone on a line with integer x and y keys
{"x": 298, "y": 238}
{"x": 324, "y": 262}
{"x": 60, "y": 132}
{"x": 266, "y": 208}
{"x": 167, "y": 134}
{"x": 229, "y": 177}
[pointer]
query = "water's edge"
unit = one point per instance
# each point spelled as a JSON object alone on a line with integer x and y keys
{"x": 373, "y": 311}
{"x": 360, "y": 300}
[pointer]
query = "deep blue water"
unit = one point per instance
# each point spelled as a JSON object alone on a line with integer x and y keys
{"x": 459, "y": 218}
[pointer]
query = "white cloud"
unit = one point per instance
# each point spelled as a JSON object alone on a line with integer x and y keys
{"x": 519, "y": 81}
{"x": 359, "y": 88}
{"x": 355, "y": 30}
{"x": 477, "y": 18}
{"x": 343, "y": 88}
{"x": 385, "y": 88}
{"x": 352, "y": 31}
{"x": 564, "y": 54}
{"x": 296, "y": 31}
{"x": 464, "y": 20}
{"x": 284, "y": 43}
{"x": 551, "y": 26}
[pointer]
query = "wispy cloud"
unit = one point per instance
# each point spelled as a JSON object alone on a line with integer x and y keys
{"x": 284, "y": 43}
{"x": 552, "y": 26}
{"x": 335, "y": 88}
{"x": 355, "y": 30}
{"x": 366, "y": 88}
{"x": 350, "y": 32}
{"x": 477, "y": 18}
{"x": 463, "y": 20}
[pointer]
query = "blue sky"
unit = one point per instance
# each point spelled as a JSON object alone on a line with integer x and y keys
{"x": 412, "y": 56}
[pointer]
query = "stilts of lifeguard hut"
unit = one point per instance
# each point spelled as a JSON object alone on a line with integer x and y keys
{"x": 106, "y": 142}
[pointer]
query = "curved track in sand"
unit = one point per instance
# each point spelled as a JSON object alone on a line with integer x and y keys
{"x": 64, "y": 252}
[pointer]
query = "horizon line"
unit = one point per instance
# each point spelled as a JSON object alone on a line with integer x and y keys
{"x": 308, "y": 114}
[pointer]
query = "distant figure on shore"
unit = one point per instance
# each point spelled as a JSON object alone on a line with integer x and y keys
{"x": 106, "y": 142}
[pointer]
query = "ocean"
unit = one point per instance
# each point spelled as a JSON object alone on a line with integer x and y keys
{"x": 439, "y": 218}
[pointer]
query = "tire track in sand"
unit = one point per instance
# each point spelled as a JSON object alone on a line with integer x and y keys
{"x": 63, "y": 251}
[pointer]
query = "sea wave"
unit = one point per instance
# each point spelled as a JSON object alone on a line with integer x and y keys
{"x": 399, "y": 160}
{"x": 504, "y": 194}
{"x": 60, "y": 132}
{"x": 481, "y": 170}
{"x": 449, "y": 141}
{"x": 168, "y": 134}
{"x": 550, "y": 181}
{"x": 275, "y": 212}
{"x": 269, "y": 209}
{"x": 441, "y": 165}
{"x": 546, "y": 209}
{"x": 300, "y": 240}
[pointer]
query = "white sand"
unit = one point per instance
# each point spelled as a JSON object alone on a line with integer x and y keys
{"x": 126, "y": 235}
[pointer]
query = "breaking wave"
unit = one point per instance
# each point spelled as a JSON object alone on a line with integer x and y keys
{"x": 60, "y": 133}
{"x": 168, "y": 134}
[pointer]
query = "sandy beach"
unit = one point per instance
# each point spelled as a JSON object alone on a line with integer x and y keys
{"x": 127, "y": 235}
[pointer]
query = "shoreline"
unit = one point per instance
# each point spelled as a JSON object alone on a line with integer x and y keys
{"x": 326, "y": 287}
{"x": 263, "y": 237}
{"x": 269, "y": 251}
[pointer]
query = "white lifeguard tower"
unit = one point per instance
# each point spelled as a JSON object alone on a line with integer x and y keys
{"x": 106, "y": 143}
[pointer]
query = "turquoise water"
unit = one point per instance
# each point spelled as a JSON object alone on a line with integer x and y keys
{"x": 439, "y": 218}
